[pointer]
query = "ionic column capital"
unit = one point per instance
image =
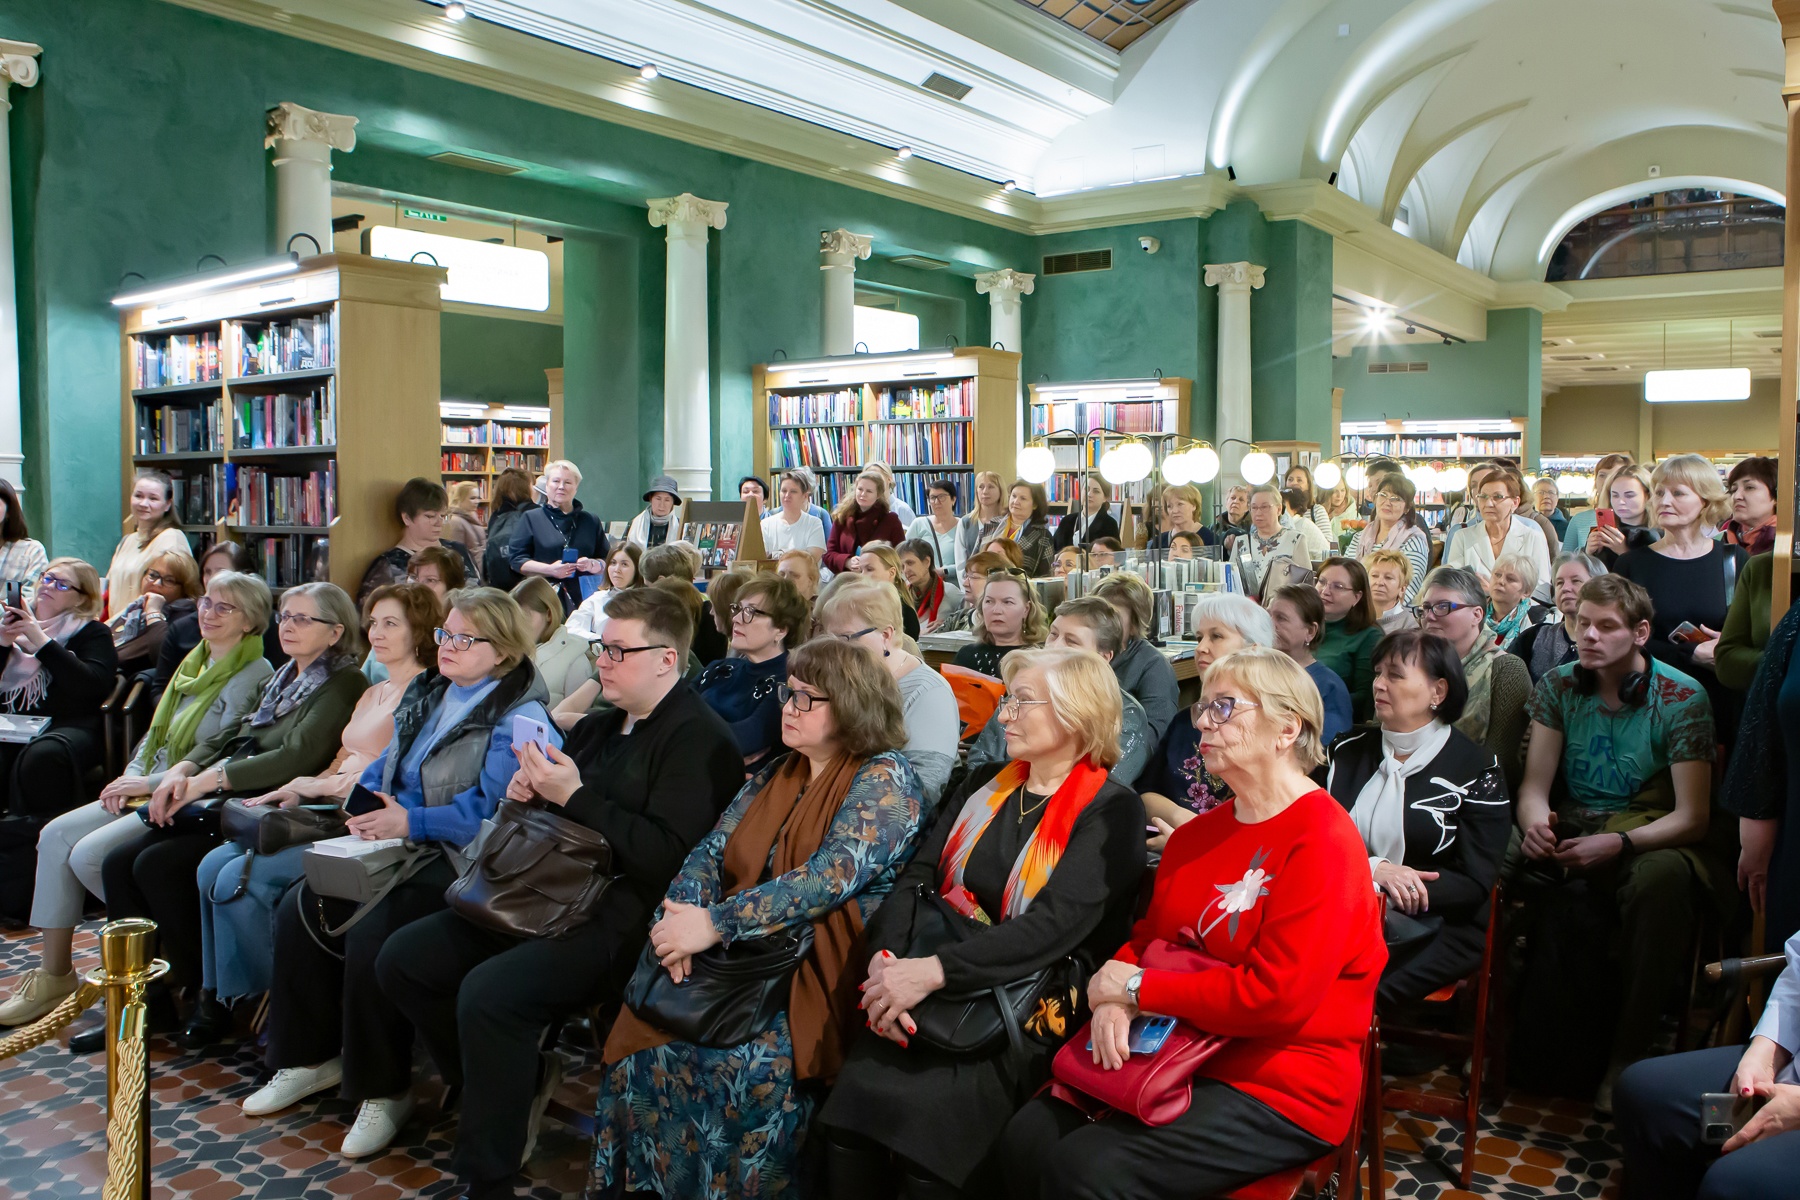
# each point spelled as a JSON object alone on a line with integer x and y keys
{"x": 688, "y": 209}
{"x": 842, "y": 243}
{"x": 1238, "y": 276}
{"x": 1006, "y": 280}
{"x": 289, "y": 122}
{"x": 18, "y": 62}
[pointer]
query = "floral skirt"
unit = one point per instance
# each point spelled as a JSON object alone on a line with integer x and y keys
{"x": 690, "y": 1122}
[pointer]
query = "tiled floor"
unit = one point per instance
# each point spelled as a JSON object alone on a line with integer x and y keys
{"x": 52, "y": 1140}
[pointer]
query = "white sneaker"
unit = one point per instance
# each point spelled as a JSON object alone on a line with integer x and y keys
{"x": 292, "y": 1085}
{"x": 553, "y": 1073}
{"x": 377, "y": 1123}
{"x": 36, "y": 993}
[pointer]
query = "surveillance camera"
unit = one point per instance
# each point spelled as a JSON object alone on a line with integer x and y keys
{"x": 1149, "y": 245}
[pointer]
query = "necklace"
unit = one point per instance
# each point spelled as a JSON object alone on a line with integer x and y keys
{"x": 1026, "y": 812}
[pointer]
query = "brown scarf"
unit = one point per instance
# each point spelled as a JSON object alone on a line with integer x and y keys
{"x": 791, "y": 815}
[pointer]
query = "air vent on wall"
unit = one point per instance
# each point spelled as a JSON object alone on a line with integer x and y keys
{"x": 1078, "y": 260}
{"x": 1575, "y": 357}
{"x": 1599, "y": 370}
{"x": 943, "y": 85}
{"x": 918, "y": 262}
{"x": 473, "y": 163}
{"x": 1397, "y": 368}
{"x": 1767, "y": 333}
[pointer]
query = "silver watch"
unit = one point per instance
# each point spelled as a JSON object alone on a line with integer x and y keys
{"x": 1131, "y": 986}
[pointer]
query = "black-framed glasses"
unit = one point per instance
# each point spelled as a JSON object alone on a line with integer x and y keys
{"x": 853, "y": 637}
{"x": 617, "y": 653}
{"x": 456, "y": 641}
{"x": 207, "y": 604}
{"x": 1441, "y": 609}
{"x": 802, "y": 701}
{"x": 55, "y": 583}
{"x": 1220, "y": 710}
{"x": 155, "y": 576}
{"x": 1010, "y": 706}
{"x": 747, "y": 612}
{"x": 289, "y": 618}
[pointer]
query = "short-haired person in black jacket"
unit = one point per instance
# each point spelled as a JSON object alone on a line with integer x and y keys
{"x": 652, "y": 775}
{"x": 56, "y": 661}
{"x": 1433, "y": 810}
{"x": 422, "y": 506}
{"x": 544, "y": 533}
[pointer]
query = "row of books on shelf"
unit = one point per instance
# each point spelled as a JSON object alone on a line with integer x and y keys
{"x": 819, "y": 448}
{"x": 180, "y": 429}
{"x": 462, "y": 461}
{"x": 193, "y": 498}
{"x": 174, "y": 359}
{"x": 1126, "y": 416}
{"x": 495, "y": 433}
{"x": 919, "y": 445}
{"x": 280, "y": 420}
{"x": 943, "y": 400}
{"x": 1399, "y": 446}
{"x": 812, "y": 408}
{"x": 302, "y": 344}
{"x": 954, "y": 400}
{"x": 289, "y": 559}
{"x": 243, "y": 495}
{"x": 504, "y": 459}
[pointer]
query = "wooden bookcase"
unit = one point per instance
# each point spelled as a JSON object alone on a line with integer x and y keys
{"x": 1155, "y": 410}
{"x": 834, "y": 415}
{"x": 336, "y": 368}
{"x": 482, "y": 440}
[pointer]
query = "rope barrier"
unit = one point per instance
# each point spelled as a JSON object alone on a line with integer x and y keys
{"x": 44, "y": 1028}
{"x": 124, "y": 1155}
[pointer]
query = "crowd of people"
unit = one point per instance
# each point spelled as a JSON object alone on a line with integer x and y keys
{"x": 835, "y": 941}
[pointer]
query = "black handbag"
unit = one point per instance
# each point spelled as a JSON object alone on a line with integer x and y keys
{"x": 979, "y": 1022}
{"x": 731, "y": 994}
{"x": 535, "y": 874}
{"x": 270, "y": 829}
{"x": 202, "y": 816}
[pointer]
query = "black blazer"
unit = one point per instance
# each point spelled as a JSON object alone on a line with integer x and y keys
{"x": 535, "y": 538}
{"x": 1458, "y": 816}
{"x": 82, "y": 673}
{"x": 1101, "y": 526}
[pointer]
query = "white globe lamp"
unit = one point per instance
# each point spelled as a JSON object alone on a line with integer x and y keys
{"x": 1177, "y": 470}
{"x": 1257, "y": 468}
{"x": 1327, "y": 474}
{"x": 1357, "y": 477}
{"x": 1453, "y": 479}
{"x": 1036, "y": 464}
{"x": 1205, "y": 462}
{"x": 1126, "y": 463}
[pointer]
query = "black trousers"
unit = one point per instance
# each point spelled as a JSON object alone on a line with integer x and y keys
{"x": 1414, "y": 972}
{"x": 153, "y": 876}
{"x": 1051, "y": 1151}
{"x": 41, "y": 779}
{"x": 482, "y": 1001}
{"x": 1656, "y": 1105}
{"x": 326, "y": 1002}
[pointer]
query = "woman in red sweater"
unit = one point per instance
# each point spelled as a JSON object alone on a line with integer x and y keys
{"x": 863, "y": 517}
{"x": 1275, "y": 882}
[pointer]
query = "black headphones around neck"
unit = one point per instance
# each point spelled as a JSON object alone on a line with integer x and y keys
{"x": 1634, "y": 688}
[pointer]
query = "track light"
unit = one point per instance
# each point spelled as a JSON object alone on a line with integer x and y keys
{"x": 1411, "y": 328}
{"x": 1009, "y": 185}
{"x": 904, "y": 152}
{"x": 648, "y": 71}
{"x": 454, "y": 11}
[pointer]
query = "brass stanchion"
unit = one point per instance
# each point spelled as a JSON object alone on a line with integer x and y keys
{"x": 125, "y": 968}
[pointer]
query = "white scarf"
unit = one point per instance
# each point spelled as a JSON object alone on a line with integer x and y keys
{"x": 1380, "y": 810}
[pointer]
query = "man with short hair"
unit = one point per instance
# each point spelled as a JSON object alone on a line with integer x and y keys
{"x": 422, "y": 506}
{"x": 652, "y": 775}
{"x": 1085, "y": 623}
{"x": 1615, "y": 800}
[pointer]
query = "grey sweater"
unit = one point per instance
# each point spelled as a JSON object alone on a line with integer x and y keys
{"x": 236, "y": 700}
{"x": 1146, "y": 674}
{"x": 933, "y": 728}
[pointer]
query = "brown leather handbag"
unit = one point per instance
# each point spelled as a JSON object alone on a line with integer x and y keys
{"x": 535, "y": 874}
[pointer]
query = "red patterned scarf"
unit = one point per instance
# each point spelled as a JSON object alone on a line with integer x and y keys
{"x": 1031, "y": 870}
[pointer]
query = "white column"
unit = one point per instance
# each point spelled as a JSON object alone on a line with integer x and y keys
{"x": 303, "y": 142}
{"x": 18, "y": 64}
{"x": 1005, "y": 290}
{"x": 687, "y": 384}
{"x": 838, "y": 251}
{"x": 1235, "y": 282}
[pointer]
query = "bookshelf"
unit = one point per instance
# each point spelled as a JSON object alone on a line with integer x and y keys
{"x": 1155, "y": 409}
{"x": 481, "y": 440}
{"x": 928, "y": 414}
{"x": 289, "y": 412}
{"x": 1435, "y": 443}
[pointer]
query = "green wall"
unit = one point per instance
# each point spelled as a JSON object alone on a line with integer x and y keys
{"x": 497, "y": 360}
{"x": 1500, "y": 377}
{"x": 1290, "y": 337}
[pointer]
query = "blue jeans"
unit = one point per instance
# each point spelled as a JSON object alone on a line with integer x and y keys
{"x": 237, "y": 936}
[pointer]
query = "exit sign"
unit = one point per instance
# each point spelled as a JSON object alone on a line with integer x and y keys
{"x": 418, "y": 214}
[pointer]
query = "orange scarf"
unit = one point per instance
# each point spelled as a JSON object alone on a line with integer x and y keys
{"x": 1031, "y": 870}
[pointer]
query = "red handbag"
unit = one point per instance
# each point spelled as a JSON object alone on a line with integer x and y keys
{"x": 1154, "y": 1088}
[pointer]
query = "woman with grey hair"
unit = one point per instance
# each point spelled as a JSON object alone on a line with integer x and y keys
{"x": 1511, "y": 586}
{"x": 1453, "y": 604}
{"x": 1551, "y": 643}
{"x": 1176, "y": 787}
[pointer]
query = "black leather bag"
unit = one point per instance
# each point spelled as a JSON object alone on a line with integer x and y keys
{"x": 270, "y": 829}
{"x": 535, "y": 874}
{"x": 731, "y": 994}
{"x": 982, "y": 1021}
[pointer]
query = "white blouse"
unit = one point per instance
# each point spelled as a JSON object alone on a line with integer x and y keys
{"x": 1471, "y": 548}
{"x": 779, "y": 536}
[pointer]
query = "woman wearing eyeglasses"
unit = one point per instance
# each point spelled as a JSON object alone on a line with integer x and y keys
{"x": 816, "y": 838}
{"x": 1352, "y": 628}
{"x": 1501, "y": 532}
{"x": 1273, "y": 885}
{"x": 443, "y": 775}
{"x": 1453, "y": 605}
{"x": 171, "y": 584}
{"x": 1037, "y": 860}
{"x": 294, "y": 729}
{"x": 68, "y": 679}
{"x": 769, "y": 617}
{"x": 1396, "y": 526}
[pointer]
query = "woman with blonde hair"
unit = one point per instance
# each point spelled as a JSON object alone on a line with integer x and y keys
{"x": 465, "y": 524}
{"x": 985, "y": 516}
{"x": 867, "y": 615}
{"x": 881, "y": 561}
{"x": 1390, "y": 582}
{"x": 152, "y": 530}
{"x": 562, "y": 658}
{"x": 1274, "y": 886}
{"x": 1039, "y": 857}
{"x": 589, "y": 618}
{"x": 1183, "y": 512}
{"x": 1143, "y": 669}
{"x": 1632, "y": 524}
{"x": 1012, "y": 616}
{"x": 170, "y": 585}
{"x": 802, "y": 574}
{"x": 863, "y": 516}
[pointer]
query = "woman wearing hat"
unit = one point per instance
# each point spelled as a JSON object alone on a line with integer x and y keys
{"x": 559, "y": 539}
{"x": 657, "y": 524}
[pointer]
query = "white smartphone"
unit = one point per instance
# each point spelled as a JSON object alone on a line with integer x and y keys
{"x": 526, "y": 729}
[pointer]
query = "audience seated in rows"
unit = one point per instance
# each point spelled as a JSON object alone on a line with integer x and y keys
{"x": 1453, "y": 605}
{"x": 768, "y": 619}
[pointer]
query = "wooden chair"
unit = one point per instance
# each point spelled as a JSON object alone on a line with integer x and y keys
{"x": 977, "y": 696}
{"x": 1337, "y": 1173}
{"x": 1481, "y": 990}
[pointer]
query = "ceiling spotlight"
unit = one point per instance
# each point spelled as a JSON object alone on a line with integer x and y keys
{"x": 1009, "y": 185}
{"x": 903, "y": 152}
{"x": 648, "y": 71}
{"x": 1411, "y": 328}
{"x": 454, "y": 11}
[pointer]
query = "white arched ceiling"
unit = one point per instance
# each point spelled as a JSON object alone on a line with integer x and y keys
{"x": 1382, "y": 135}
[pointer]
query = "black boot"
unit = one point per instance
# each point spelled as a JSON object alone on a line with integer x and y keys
{"x": 211, "y": 1022}
{"x": 917, "y": 1185}
{"x": 89, "y": 1041}
{"x": 857, "y": 1168}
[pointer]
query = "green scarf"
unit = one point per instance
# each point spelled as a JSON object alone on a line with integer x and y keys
{"x": 200, "y": 680}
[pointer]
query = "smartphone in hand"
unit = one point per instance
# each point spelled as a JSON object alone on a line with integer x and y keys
{"x": 361, "y": 801}
{"x": 1687, "y": 634}
{"x": 528, "y": 729}
{"x": 1148, "y": 1033}
{"x": 1722, "y": 1115}
{"x": 1605, "y": 518}
{"x": 15, "y": 594}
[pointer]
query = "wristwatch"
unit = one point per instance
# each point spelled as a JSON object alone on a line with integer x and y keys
{"x": 1627, "y": 847}
{"x": 1131, "y": 986}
